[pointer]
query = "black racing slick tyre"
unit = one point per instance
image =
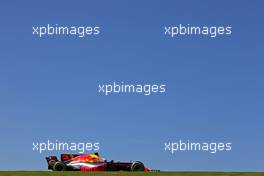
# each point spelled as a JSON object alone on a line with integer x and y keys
{"x": 59, "y": 166}
{"x": 137, "y": 166}
{"x": 51, "y": 163}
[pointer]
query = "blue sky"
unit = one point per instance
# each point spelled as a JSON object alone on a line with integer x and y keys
{"x": 48, "y": 86}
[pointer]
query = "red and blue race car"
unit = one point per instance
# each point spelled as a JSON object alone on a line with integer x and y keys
{"x": 91, "y": 163}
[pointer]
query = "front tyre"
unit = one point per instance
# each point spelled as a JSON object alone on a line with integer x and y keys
{"x": 137, "y": 166}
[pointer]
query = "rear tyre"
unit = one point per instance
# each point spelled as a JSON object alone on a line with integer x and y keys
{"x": 51, "y": 163}
{"x": 59, "y": 166}
{"x": 137, "y": 166}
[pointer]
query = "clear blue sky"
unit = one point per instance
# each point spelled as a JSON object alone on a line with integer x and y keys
{"x": 48, "y": 87}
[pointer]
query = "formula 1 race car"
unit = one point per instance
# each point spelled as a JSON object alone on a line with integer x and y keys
{"x": 91, "y": 163}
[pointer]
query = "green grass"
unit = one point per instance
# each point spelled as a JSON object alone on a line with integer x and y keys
{"x": 44, "y": 173}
